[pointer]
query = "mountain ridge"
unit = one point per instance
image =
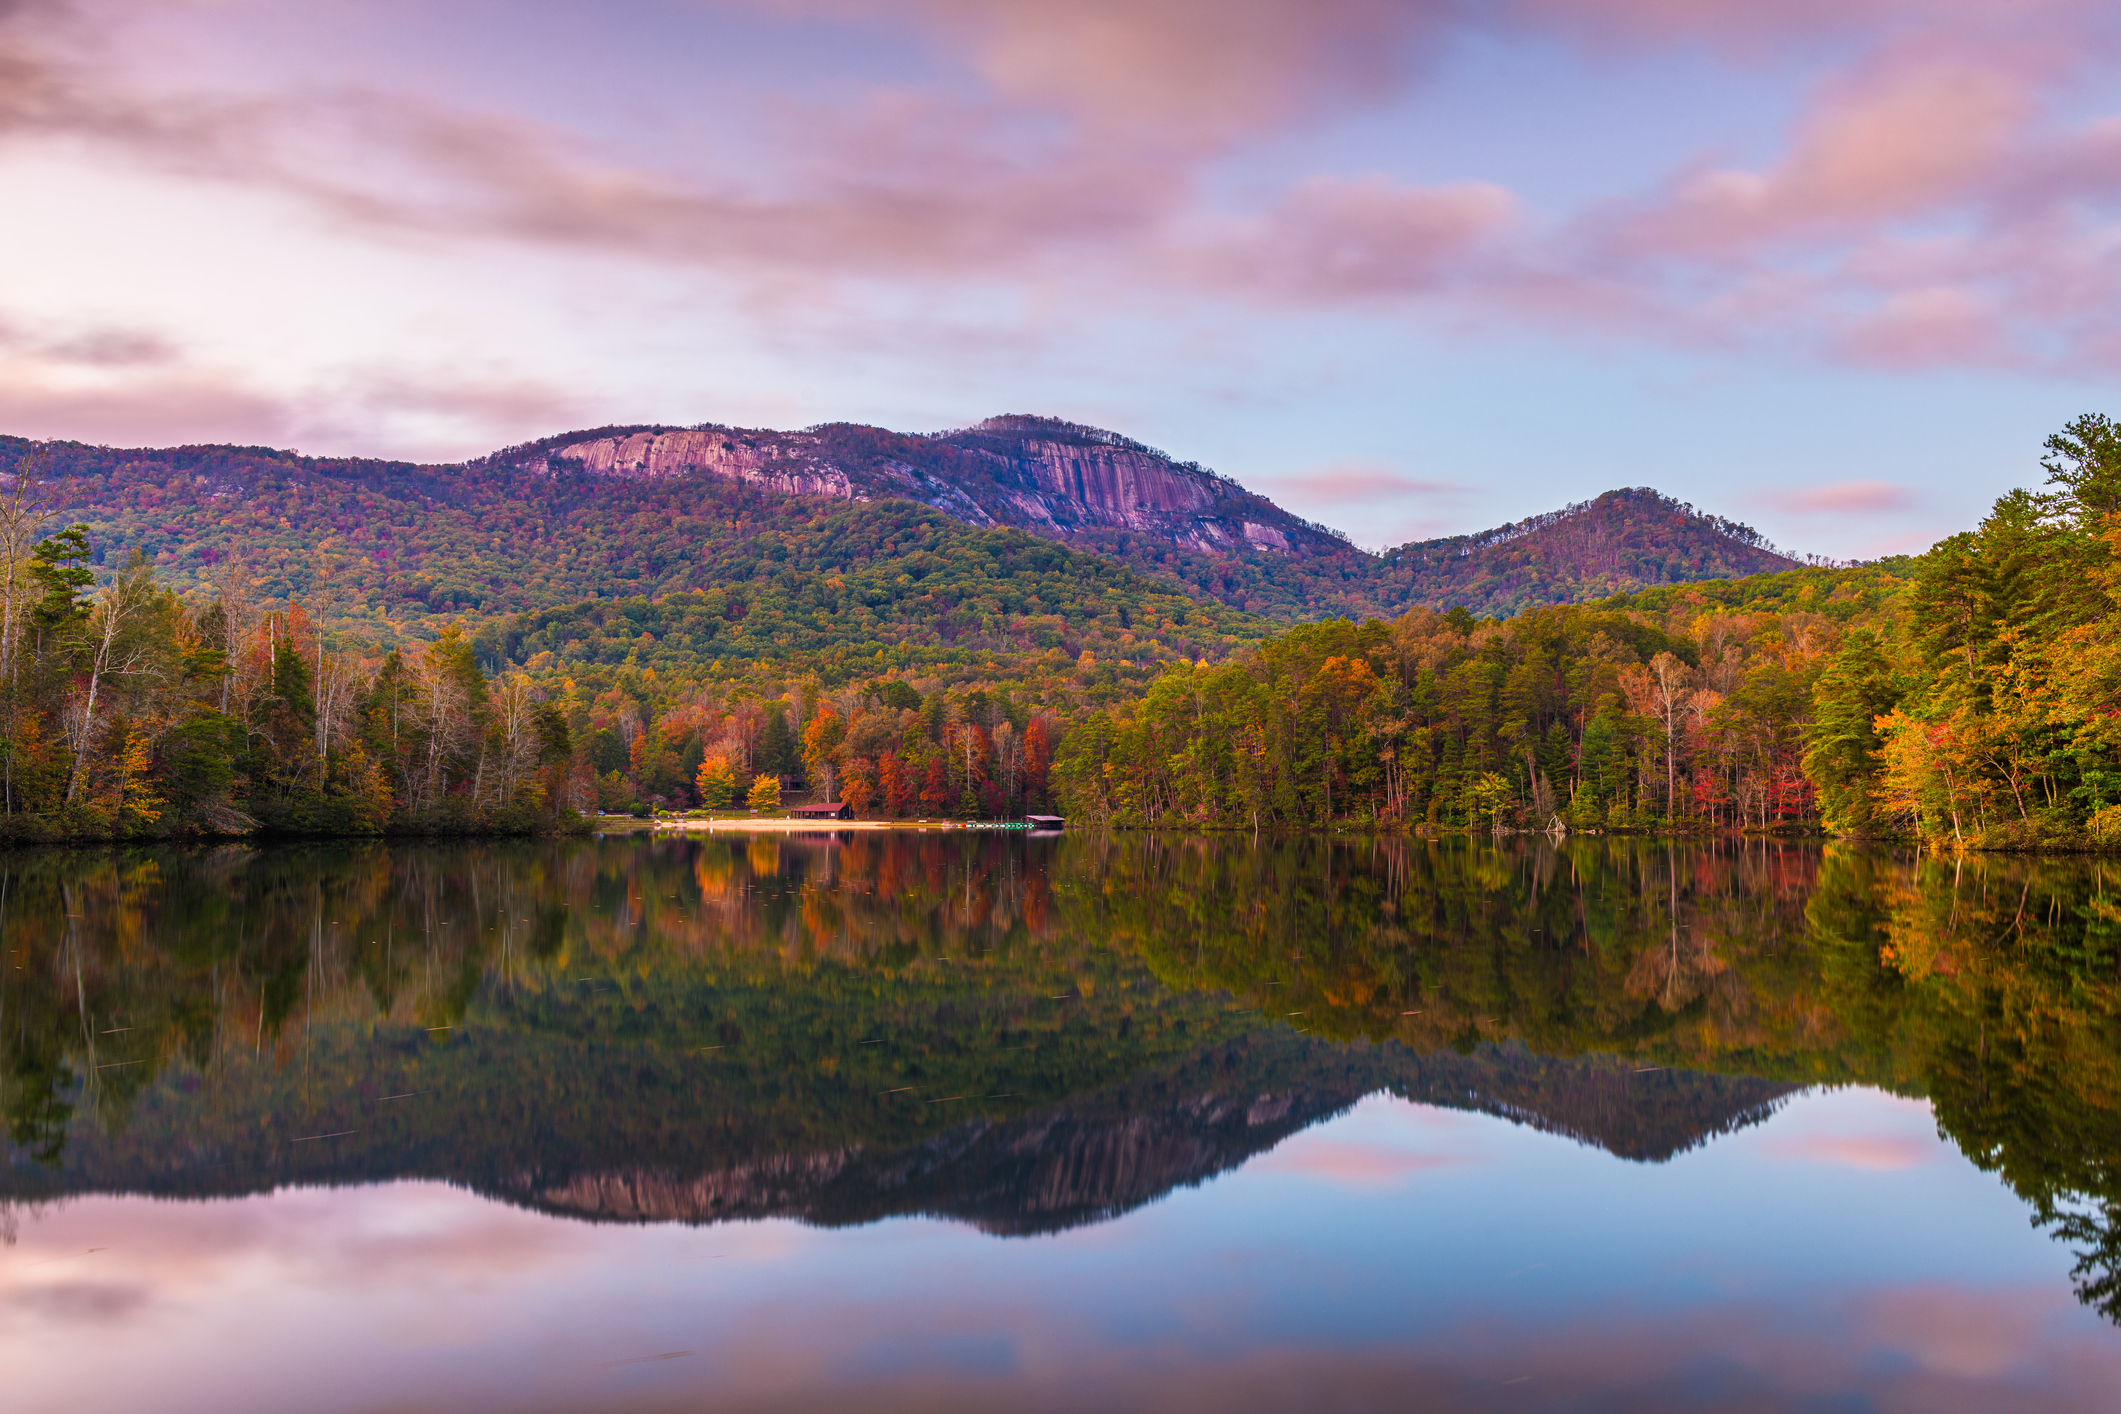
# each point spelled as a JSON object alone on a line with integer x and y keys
{"x": 564, "y": 519}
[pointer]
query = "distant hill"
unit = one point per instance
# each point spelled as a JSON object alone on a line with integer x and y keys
{"x": 651, "y": 511}
{"x": 1621, "y": 541}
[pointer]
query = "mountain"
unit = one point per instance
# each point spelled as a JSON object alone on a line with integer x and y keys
{"x": 1054, "y": 478}
{"x": 653, "y": 510}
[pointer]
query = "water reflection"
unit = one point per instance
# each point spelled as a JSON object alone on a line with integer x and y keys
{"x": 1024, "y": 1035}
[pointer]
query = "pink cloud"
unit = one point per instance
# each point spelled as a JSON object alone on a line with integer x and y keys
{"x": 1928, "y": 208}
{"x": 181, "y": 407}
{"x": 1182, "y": 74}
{"x": 1333, "y": 238}
{"x": 1841, "y": 498}
{"x": 1349, "y": 1165}
{"x": 1897, "y": 137}
{"x": 1924, "y": 327}
{"x": 1746, "y": 26}
{"x": 1351, "y": 482}
{"x": 131, "y": 388}
{"x": 1927, "y": 211}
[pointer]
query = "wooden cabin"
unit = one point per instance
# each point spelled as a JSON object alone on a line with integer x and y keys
{"x": 823, "y": 810}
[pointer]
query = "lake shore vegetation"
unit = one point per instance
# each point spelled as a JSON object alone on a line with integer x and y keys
{"x": 1969, "y": 697}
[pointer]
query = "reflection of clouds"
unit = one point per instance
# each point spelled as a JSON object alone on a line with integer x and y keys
{"x": 1962, "y": 1334}
{"x": 1872, "y": 1132}
{"x": 1350, "y": 1165}
{"x": 344, "y": 1241}
{"x": 1940, "y": 1352}
{"x": 420, "y": 1295}
{"x": 77, "y": 1302}
{"x": 1878, "y": 1153}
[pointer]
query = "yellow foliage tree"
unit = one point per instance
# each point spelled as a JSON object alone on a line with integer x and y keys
{"x": 137, "y": 802}
{"x": 716, "y": 782}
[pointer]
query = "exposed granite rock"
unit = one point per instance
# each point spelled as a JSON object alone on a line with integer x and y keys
{"x": 782, "y": 464}
{"x": 1047, "y": 477}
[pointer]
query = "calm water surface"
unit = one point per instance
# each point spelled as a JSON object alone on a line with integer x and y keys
{"x": 944, "y": 1122}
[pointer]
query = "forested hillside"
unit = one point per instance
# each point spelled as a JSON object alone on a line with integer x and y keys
{"x": 858, "y": 590}
{"x": 1586, "y": 717}
{"x": 393, "y": 551}
{"x": 137, "y": 714}
{"x": 1621, "y": 541}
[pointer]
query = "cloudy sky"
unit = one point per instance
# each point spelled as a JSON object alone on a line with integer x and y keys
{"x": 1834, "y": 267}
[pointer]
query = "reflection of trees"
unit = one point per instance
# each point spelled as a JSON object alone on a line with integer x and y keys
{"x": 210, "y": 964}
{"x": 1999, "y": 980}
{"x": 1692, "y": 955}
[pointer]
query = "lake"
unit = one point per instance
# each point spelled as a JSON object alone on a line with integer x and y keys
{"x": 943, "y": 1121}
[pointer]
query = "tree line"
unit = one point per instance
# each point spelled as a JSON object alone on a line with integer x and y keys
{"x": 136, "y": 713}
{"x": 132, "y": 712}
{"x": 883, "y": 747}
{"x": 1573, "y": 717}
{"x": 1987, "y": 711}
{"x": 1970, "y": 697}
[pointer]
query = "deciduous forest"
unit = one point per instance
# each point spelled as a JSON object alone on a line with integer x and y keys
{"x": 1971, "y": 696}
{"x": 884, "y": 655}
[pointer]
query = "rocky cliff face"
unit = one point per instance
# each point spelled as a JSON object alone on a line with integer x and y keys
{"x": 774, "y": 1185}
{"x": 1051, "y": 478}
{"x": 789, "y": 467}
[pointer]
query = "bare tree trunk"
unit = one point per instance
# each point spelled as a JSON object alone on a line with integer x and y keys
{"x": 113, "y": 615}
{"x": 514, "y": 711}
{"x": 233, "y": 594}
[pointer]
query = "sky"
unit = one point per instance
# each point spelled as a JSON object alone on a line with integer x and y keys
{"x": 1411, "y": 267}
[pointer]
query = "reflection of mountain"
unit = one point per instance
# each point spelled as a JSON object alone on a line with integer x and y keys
{"x": 1057, "y": 1169}
{"x": 1624, "y": 1109}
{"x": 653, "y": 1151}
{"x": 1095, "y": 1159}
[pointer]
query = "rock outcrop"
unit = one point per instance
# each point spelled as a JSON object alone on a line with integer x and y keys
{"x": 779, "y": 466}
{"x": 1052, "y": 478}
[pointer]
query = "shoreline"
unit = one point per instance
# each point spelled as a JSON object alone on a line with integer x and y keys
{"x": 783, "y": 825}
